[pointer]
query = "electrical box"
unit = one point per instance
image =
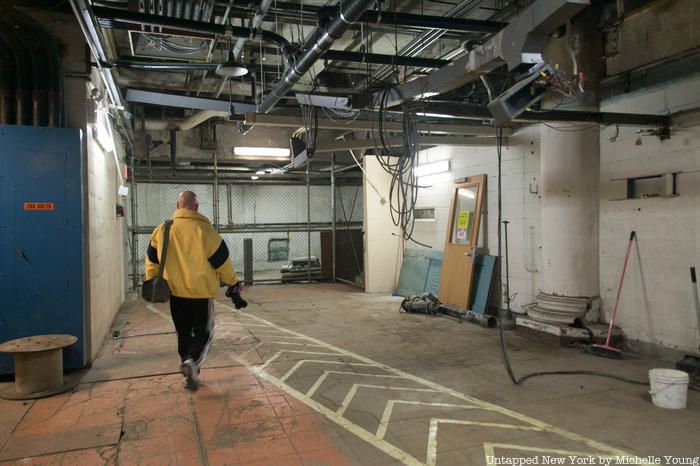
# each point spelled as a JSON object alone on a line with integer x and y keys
{"x": 42, "y": 223}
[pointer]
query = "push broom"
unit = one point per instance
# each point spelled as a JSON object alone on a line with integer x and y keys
{"x": 606, "y": 350}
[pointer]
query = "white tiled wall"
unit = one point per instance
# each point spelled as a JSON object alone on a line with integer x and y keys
{"x": 106, "y": 242}
{"x": 520, "y": 200}
{"x": 656, "y": 304}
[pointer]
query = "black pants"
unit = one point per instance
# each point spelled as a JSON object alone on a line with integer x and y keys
{"x": 194, "y": 323}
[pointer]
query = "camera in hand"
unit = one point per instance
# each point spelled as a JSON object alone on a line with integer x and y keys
{"x": 233, "y": 293}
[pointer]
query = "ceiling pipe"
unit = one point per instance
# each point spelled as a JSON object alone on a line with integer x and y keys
{"x": 184, "y": 125}
{"x": 112, "y": 18}
{"x": 93, "y": 36}
{"x": 339, "y": 55}
{"x": 289, "y": 12}
{"x": 254, "y": 25}
{"x": 376, "y": 58}
{"x": 178, "y": 66}
{"x": 88, "y": 24}
{"x": 315, "y": 46}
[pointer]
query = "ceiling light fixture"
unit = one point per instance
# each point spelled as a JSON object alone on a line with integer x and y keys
{"x": 432, "y": 168}
{"x": 262, "y": 152}
{"x": 231, "y": 68}
{"x": 260, "y": 172}
{"x": 254, "y": 177}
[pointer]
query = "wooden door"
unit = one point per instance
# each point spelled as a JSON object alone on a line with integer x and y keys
{"x": 460, "y": 242}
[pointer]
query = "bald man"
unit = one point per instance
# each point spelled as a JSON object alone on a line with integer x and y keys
{"x": 197, "y": 263}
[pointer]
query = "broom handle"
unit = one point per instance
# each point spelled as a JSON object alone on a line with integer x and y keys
{"x": 619, "y": 289}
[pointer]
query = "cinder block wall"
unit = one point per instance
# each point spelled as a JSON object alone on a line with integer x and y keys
{"x": 656, "y": 304}
{"x": 656, "y": 307}
{"x": 521, "y": 204}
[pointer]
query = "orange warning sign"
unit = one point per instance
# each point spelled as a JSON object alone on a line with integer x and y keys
{"x": 38, "y": 206}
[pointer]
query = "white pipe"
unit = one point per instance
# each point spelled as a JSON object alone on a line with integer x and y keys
{"x": 256, "y": 22}
{"x": 186, "y": 124}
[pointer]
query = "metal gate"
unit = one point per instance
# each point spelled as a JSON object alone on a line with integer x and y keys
{"x": 284, "y": 223}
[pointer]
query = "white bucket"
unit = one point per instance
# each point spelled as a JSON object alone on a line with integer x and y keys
{"x": 669, "y": 388}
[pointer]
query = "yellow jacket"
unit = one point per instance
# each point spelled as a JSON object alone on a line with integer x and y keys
{"x": 197, "y": 260}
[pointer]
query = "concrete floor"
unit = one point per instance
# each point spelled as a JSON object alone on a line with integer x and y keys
{"x": 324, "y": 375}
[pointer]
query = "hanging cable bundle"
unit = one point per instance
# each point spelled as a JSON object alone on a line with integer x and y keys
{"x": 310, "y": 115}
{"x": 400, "y": 164}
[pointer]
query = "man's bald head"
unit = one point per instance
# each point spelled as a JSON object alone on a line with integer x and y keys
{"x": 187, "y": 200}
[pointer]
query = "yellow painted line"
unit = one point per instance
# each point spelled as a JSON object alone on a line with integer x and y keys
{"x": 289, "y": 343}
{"x": 280, "y": 353}
{"x": 431, "y": 455}
{"x": 388, "y": 410}
{"x": 325, "y": 375}
{"x": 594, "y": 444}
{"x": 391, "y": 449}
{"x": 353, "y": 391}
{"x": 296, "y": 366}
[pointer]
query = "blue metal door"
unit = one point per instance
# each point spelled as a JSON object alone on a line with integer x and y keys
{"x": 42, "y": 273}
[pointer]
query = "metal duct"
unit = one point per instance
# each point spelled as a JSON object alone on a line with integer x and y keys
{"x": 318, "y": 43}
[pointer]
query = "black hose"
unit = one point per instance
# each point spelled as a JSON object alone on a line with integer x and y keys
{"x": 504, "y": 349}
{"x": 521, "y": 379}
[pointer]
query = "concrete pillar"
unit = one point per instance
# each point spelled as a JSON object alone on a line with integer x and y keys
{"x": 569, "y": 167}
{"x": 383, "y": 243}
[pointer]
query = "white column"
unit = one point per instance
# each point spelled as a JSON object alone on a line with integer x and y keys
{"x": 383, "y": 243}
{"x": 569, "y": 167}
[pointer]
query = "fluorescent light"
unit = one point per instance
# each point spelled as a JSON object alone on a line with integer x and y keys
{"x": 266, "y": 152}
{"x": 427, "y": 94}
{"x": 260, "y": 172}
{"x": 432, "y": 168}
{"x": 254, "y": 177}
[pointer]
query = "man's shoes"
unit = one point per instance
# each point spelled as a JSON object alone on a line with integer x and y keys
{"x": 191, "y": 372}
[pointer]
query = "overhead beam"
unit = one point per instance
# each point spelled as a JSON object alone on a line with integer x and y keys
{"x": 363, "y": 144}
{"x": 181, "y": 101}
{"x": 519, "y": 42}
{"x": 480, "y": 113}
{"x": 371, "y": 126}
{"x": 393, "y": 18}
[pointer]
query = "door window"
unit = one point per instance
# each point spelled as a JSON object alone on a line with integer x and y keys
{"x": 464, "y": 215}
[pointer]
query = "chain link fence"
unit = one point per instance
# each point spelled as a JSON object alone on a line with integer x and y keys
{"x": 286, "y": 223}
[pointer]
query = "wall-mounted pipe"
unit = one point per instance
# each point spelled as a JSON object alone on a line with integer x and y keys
{"x": 23, "y": 72}
{"x": 50, "y": 84}
{"x": 318, "y": 43}
{"x": 7, "y": 82}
